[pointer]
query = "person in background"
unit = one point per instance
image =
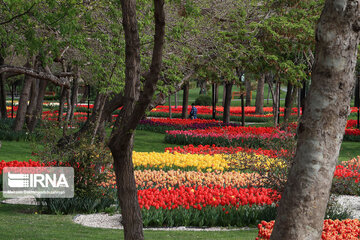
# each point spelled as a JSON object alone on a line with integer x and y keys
{"x": 193, "y": 112}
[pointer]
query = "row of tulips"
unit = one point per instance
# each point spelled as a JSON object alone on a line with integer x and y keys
{"x": 348, "y": 229}
{"x": 200, "y": 162}
{"x": 201, "y": 196}
{"x": 211, "y": 150}
{"x": 160, "y": 179}
{"x": 250, "y": 137}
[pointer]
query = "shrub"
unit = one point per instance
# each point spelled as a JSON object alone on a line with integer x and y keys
{"x": 203, "y": 100}
{"x": 91, "y": 166}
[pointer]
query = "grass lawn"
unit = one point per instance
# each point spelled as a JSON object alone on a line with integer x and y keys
{"x": 349, "y": 150}
{"x": 21, "y": 222}
{"x": 12, "y": 150}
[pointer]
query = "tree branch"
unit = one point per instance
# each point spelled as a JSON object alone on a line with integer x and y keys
{"x": 60, "y": 81}
{"x": 19, "y": 15}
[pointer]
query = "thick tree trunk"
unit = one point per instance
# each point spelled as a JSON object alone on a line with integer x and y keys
{"x": 259, "y": 102}
{"x": 185, "y": 102}
{"x": 227, "y": 104}
{"x": 36, "y": 115}
{"x": 321, "y": 128}
{"x": 135, "y": 105}
{"x": 3, "y": 112}
{"x": 248, "y": 92}
{"x": 22, "y": 107}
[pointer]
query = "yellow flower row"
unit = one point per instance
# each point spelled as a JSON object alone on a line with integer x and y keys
{"x": 204, "y": 162}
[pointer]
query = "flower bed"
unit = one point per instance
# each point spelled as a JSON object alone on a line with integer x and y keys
{"x": 347, "y": 177}
{"x": 333, "y": 230}
{"x": 250, "y": 137}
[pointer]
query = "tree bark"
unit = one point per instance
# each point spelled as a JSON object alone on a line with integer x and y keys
{"x": 33, "y": 98}
{"x": 227, "y": 104}
{"x": 185, "y": 102}
{"x": 135, "y": 105}
{"x": 321, "y": 128}
{"x": 22, "y": 107}
{"x": 259, "y": 102}
{"x": 36, "y": 115}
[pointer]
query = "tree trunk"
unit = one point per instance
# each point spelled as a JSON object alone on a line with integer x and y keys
{"x": 213, "y": 100}
{"x": 288, "y": 101}
{"x": 228, "y": 92}
{"x": 3, "y": 112}
{"x": 74, "y": 94}
{"x": 185, "y": 102}
{"x": 357, "y": 92}
{"x": 224, "y": 94}
{"x": 248, "y": 92}
{"x": 302, "y": 96}
{"x": 36, "y": 115}
{"x": 259, "y": 102}
{"x": 169, "y": 98}
{"x": 242, "y": 111}
{"x": 176, "y": 100}
{"x": 135, "y": 105}
{"x": 321, "y": 128}
{"x": 203, "y": 90}
{"x": 33, "y": 98}
{"x": 22, "y": 107}
{"x": 62, "y": 103}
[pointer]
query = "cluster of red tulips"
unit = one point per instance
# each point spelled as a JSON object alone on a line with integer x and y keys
{"x": 16, "y": 163}
{"x": 348, "y": 229}
{"x": 349, "y": 170}
{"x": 202, "y": 196}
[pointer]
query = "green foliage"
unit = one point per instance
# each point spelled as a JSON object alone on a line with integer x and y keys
{"x": 336, "y": 211}
{"x": 203, "y": 100}
{"x": 74, "y": 205}
{"x": 208, "y": 216}
{"x": 91, "y": 164}
{"x": 345, "y": 186}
